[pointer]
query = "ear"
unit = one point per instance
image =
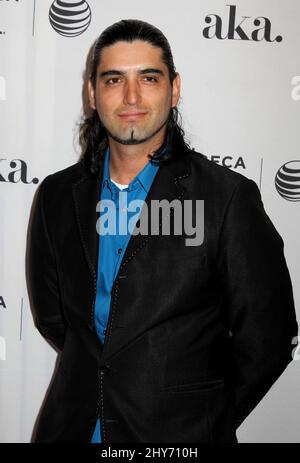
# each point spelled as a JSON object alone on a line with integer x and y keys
{"x": 91, "y": 93}
{"x": 176, "y": 90}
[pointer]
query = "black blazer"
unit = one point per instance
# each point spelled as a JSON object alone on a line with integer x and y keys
{"x": 196, "y": 335}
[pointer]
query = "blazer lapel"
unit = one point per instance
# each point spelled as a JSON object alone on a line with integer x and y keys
{"x": 169, "y": 183}
{"x": 86, "y": 194}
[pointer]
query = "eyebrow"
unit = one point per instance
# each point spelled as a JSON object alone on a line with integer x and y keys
{"x": 116, "y": 72}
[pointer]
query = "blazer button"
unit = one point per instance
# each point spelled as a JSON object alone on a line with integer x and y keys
{"x": 104, "y": 369}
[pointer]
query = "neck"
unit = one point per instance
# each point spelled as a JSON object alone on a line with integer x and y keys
{"x": 126, "y": 161}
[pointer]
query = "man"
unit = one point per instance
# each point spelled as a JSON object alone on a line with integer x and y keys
{"x": 159, "y": 340}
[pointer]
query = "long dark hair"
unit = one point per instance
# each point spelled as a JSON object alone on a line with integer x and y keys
{"x": 92, "y": 134}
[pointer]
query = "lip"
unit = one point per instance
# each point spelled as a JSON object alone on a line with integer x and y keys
{"x": 134, "y": 115}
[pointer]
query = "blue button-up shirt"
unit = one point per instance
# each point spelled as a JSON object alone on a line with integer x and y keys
{"x": 112, "y": 246}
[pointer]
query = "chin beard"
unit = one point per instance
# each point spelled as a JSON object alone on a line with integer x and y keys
{"x": 132, "y": 140}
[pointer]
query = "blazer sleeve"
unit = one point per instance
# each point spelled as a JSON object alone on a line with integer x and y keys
{"x": 43, "y": 277}
{"x": 258, "y": 296}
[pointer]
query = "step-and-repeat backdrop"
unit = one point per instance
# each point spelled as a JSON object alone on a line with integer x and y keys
{"x": 240, "y": 68}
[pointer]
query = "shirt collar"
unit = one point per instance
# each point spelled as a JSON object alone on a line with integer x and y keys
{"x": 145, "y": 177}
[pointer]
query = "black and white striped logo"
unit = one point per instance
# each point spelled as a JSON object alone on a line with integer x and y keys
{"x": 69, "y": 18}
{"x": 287, "y": 181}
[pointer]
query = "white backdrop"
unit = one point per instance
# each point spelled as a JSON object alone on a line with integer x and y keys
{"x": 240, "y": 106}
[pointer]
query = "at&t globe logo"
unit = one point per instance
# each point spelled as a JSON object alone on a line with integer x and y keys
{"x": 287, "y": 181}
{"x": 70, "y": 18}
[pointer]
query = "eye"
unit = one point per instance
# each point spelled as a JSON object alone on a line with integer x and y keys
{"x": 112, "y": 81}
{"x": 151, "y": 79}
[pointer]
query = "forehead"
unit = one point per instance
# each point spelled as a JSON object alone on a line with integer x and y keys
{"x": 131, "y": 54}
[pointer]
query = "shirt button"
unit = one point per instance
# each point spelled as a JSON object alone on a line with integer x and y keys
{"x": 104, "y": 331}
{"x": 119, "y": 250}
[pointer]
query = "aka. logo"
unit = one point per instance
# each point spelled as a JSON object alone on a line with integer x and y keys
{"x": 69, "y": 18}
{"x": 287, "y": 181}
{"x": 15, "y": 171}
{"x": 237, "y": 29}
{"x": 2, "y": 303}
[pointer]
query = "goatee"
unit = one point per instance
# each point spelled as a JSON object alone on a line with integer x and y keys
{"x": 133, "y": 140}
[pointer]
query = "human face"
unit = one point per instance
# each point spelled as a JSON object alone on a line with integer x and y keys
{"x": 133, "y": 94}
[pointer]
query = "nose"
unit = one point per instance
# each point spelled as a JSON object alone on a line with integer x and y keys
{"x": 132, "y": 95}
